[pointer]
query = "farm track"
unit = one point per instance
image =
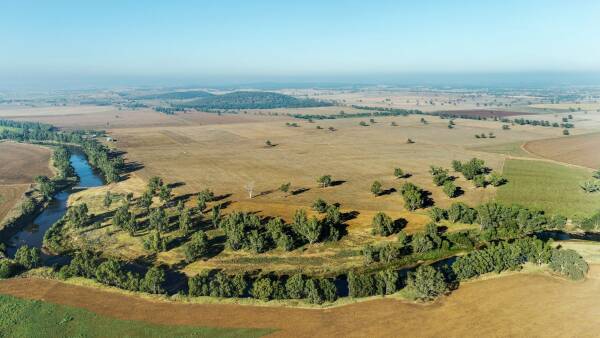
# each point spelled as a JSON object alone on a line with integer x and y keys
{"x": 530, "y": 305}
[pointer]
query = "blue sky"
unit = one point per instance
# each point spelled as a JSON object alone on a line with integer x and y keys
{"x": 271, "y": 39}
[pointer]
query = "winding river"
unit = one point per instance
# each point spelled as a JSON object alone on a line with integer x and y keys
{"x": 33, "y": 234}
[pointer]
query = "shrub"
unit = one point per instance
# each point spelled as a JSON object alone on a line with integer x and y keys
{"x": 569, "y": 263}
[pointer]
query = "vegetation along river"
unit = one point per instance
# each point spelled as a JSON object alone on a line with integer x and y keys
{"x": 33, "y": 234}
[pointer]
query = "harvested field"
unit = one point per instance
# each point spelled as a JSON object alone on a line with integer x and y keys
{"x": 21, "y": 162}
{"x": 10, "y": 196}
{"x": 579, "y": 150}
{"x": 505, "y": 306}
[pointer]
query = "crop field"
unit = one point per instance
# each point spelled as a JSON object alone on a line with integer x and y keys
{"x": 580, "y": 150}
{"x": 550, "y": 186}
{"x": 20, "y": 164}
{"x": 507, "y": 306}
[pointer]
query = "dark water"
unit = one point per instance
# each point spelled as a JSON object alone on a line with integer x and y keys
{"x": 33, "y": 234}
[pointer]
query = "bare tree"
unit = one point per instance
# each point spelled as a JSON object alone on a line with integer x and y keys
{"x": 249, "y": 188}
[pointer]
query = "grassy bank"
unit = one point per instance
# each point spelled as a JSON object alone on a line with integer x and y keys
{"x": 26, "y": 318}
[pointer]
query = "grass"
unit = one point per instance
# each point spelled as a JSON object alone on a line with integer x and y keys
{"x": 511, "y": 149}
{"x": 27, "y": 318}
{"x": 552, "y": 187}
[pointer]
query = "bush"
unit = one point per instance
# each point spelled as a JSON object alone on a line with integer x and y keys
{"x": 319, "y": 205}
{"x": 7, "y": 268}
{"x": 569, "y": 263}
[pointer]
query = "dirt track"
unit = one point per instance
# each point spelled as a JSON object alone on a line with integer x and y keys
{"x": 517, "y": 305}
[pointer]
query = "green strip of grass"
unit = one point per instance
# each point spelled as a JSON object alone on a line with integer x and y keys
{"x": 552, "y": 187}
{"x": 27, "y": 318}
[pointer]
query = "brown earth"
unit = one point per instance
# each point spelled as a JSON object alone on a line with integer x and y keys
{"x": 581, "y": 150}
{"x": 532, "y": 305}
{"x": 19, "y": 164}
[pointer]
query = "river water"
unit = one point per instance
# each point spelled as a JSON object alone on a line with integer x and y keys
{"x": 33, "y": 234}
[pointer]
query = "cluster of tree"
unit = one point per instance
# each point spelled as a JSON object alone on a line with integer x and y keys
{"x": 179, "y": 95}
{"x": 441, "y": 178}
{"x": 342, "y": 115}
{"x": 505, "y": 255}
{"x": 414, "y": 197}
{"x": 501, "y": 256}
{"x": 475, "y": 170}
{"x": 168, "y": 110}
{"x": 252, "y": 100}
{"x": 45, "y": 186}
{"x": 418, "y": 244}
{"x": 246, "y": 231}
{"x": 113, "y": 272}
{"x": 591, "y": 223}
{"x": 61, "y": 161}
{"x": 498, "y": 221}
{"x": 542, "y": 123}
{"x": 25, "y": 258}
{"x": 78, "y": 215}
{"x": 219, "y": 284}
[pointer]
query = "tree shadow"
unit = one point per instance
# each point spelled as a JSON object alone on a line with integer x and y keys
{"x": 337, "y": 182}
{"x": 347, "y": 216}
{"x": 400, "y": 224}
{"x": 221, "y": 197}
{"x": 388, "y": 191}
{"x": 175, "y": 185}
{"x": 299, "y": 191}
{"x": 264, "y": 193}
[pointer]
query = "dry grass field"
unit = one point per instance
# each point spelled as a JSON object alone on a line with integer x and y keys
{"x": 226, "y": 157}
{"x": 20, "y": 164}
{"x": 527, "y": 304}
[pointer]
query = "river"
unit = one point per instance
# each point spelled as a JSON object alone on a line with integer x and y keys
{"x": 33, "y": 234}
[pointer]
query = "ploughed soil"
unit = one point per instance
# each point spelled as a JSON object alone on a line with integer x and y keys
{"x": 21, "y": 162}
{"x": 532, "y": 305}
{"x": 581, "y": 150}
{"x": 482, "y": 113}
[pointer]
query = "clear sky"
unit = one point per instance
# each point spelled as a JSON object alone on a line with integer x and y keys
{"x": 271, "y": 39}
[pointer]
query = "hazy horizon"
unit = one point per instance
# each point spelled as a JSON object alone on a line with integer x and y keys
{"x": 69, "y": 44}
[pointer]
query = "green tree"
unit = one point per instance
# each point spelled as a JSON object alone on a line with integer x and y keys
{"x": 496, "y": 179}
{"x": 399, "y": 173}
{"x": 324, "y": 181}
{"x": 383, "y": 224}
{"x": 413, "y": 196}
{"x": 153, "y": 280}
{"x": 479, "y": 181}
{"x": 285, "y": 187}
{"x": 450, "y": 189}
{"x": 319, "y": 205}
{"x": 185, "y": 221}
{"x": 27, "y": 257}
{"x": 376, "y": 188}
{"x": 164, "y": 194}
{"x": 158, "y": 220}
{"x": 262, "y": 289}
{"x": 197, "y": 247}
{"x": 107, "y": 199}
{"x": 294, "y": 286}
{"x": 426, "y": 283}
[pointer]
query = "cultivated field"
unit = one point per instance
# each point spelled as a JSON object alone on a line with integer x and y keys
{"x": 20, "y": 164}
{"x": 549, "y": 186}
{"x": 507, "y": 306}
{"x": 580, "y": 150}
